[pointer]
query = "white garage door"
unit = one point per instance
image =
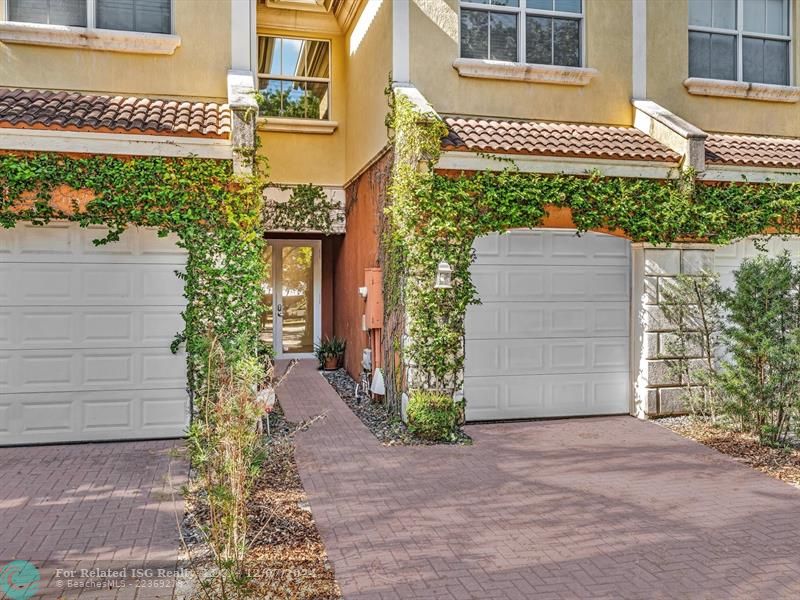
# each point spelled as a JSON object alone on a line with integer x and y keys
{"x": 85, "y": 334}
{"x": 551, "y": 337}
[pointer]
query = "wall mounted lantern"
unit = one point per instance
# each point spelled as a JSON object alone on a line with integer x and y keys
{"x": 444, "y": 276}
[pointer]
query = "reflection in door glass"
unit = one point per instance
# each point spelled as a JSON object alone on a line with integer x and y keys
{"x": 267, "y": 324}
{"x": 297, "y": 283}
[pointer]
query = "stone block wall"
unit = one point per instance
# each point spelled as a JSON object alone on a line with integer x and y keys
{"x": 656, "y": 390}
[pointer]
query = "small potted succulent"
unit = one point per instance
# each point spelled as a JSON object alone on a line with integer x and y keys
{"x": 330, "y": 353}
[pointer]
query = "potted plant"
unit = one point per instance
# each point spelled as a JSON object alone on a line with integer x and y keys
{"x": 330, "y": 353}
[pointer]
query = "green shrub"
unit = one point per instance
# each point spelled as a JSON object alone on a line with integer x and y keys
{"x": 761, "y": 374}
{"x": 433, "y": 416}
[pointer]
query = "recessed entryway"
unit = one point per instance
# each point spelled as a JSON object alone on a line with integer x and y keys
{"x": 292, "y": 321}
{"x": 551, "y": 335}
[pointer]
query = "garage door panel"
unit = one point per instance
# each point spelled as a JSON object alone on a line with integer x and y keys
{"x": 39, "y": 327}
{"x": 551, "y": 336}
{"x": 494, "y": 320}
{"x": 526, "y": 283}
{"x": 40, "y": 284}
{"x": 85, "y": 333}
{"x": 536, "y": 247}
{"x": 541, "y": 356}
{"x": 546, "y": 396}
{"x": 92, "y": 415}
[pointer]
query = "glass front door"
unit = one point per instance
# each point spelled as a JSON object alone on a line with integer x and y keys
{"x": 292, "y": 296}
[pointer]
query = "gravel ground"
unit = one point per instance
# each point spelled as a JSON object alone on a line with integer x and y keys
{"x": 780, "y": 463}
{"x": 287, "y": 558}
{"x": 387, "y": 427}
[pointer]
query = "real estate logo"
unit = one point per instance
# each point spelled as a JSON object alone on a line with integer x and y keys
{"x": 19, "y": 580}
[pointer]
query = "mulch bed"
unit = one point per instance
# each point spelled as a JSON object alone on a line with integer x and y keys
{"x": 385, "y": 425}
{"x": 780, "y": 463}
{"x": 287, "y": 558}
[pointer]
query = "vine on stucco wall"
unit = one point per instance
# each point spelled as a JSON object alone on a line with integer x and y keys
{"x": 433, "y": 217}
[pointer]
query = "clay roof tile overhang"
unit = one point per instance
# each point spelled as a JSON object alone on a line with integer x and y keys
{"x": 73, "y": 111}
{"x": 568, "y": 140}
{"x": 764, "y": 152}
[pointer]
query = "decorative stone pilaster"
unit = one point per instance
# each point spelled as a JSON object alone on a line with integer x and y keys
{"x": 656, "y": 392}
{"x": 244, "y": 115}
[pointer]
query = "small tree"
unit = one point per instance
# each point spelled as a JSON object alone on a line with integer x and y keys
{"x": 692, "y": 305}
{"x": 761, "y": 374}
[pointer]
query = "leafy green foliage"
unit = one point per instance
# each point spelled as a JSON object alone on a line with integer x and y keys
{"x": 330, "y": 348}
{"x": 433, "y": 216}
{"x": 433, "y": 416}
{"x": 308, "y": 209}
{"x": 760, "y": 377}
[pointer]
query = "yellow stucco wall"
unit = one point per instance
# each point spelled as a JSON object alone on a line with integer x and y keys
{"x": 434, "y": 26}
{"x": 361, "y": 62}
{"x": 668, "y": 67}
{"x": 369, "y": 52}
{"x": 197, "y": 69}
{"x": 311, "y": 157}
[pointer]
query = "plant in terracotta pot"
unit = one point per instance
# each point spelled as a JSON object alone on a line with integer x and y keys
{"x": 330, "y": 353}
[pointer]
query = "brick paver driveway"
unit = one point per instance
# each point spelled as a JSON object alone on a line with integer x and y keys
{"x": 92, "y": 506}
{"x": 584, "y": 508}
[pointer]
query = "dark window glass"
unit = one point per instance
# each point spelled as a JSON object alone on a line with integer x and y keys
{"x": 712, "y": 55}
{"x": 148, "y": 16}
{"x": 503, "y": 37}
{"x": 474, "y": 34}
{"x": 765, "y": 61}
{"x": 49, "y": 12}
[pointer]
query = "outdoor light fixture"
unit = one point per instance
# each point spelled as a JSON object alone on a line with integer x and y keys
{"x": 444, "y": 276}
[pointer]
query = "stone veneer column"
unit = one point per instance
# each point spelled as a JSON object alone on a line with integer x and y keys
{"x": 655, "y": 391}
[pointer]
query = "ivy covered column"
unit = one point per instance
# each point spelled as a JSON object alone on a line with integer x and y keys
{"x": 656, "y": 391}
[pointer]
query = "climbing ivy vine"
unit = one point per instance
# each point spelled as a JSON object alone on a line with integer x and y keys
{"x": 431, "y": 217}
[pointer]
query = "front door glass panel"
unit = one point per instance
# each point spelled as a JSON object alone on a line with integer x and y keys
{"x": 297, "y": 299}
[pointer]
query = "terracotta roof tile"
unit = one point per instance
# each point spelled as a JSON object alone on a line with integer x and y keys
{"x": 112, "y": 114}
{"x": 478, "y": 134}
{"x": 752, "y": 151}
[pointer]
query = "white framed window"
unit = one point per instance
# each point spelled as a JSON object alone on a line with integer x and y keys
{"x": 543, "y": 32}
{"x": 294, "y": 77}
{"x": 144, "y": 16}
{"x": 741, "y": 40}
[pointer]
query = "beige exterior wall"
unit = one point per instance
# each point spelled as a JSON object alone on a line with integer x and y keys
{"x": 434, "y": 26}
{"x": 197, "y": 69}
{"x": 309, "y": 157}
{"x": 361, "y": 62}
{"x": 668, "y": 67}
{"x": 369, "y": 62}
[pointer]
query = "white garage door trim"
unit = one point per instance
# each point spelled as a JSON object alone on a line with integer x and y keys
{"x": 85, "y": 333}
{"x": 551, "y": 337}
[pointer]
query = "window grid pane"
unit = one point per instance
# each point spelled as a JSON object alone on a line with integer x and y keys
{"x": 550, "y": 40}
{"x": 714, "y": 55}
{"x": 48, "y": 12}
{"x": 294, "y": 77}
{"x": 146, "y": 16}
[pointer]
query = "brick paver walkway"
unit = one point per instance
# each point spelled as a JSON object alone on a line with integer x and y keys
{"x": 584, "y": 508}
{"x": 84, "y": 506}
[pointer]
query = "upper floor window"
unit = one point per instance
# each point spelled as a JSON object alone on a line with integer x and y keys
{"x": 740, "y": 40}
{"x": 294, "y": 77}
{"x": 151, "y": 16}
{"x": 546, "y": 32}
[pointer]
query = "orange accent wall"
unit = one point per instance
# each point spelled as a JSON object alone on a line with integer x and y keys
{"x": 359, "y": 250}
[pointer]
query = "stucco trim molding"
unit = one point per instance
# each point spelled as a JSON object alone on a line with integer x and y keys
{"x": 512, "y": 71}
{"x": 287, "y": 125}
{"x": 62, "y": 36}
{"x": 672, "y": 131}
{"x": 740, "y": 89}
